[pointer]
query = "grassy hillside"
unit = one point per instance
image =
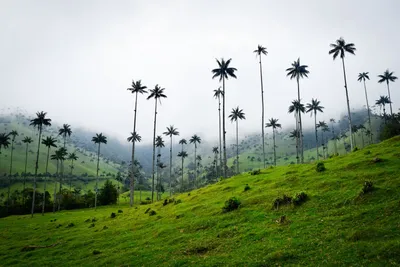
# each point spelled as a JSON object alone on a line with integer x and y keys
{"x": 335, "y": 226}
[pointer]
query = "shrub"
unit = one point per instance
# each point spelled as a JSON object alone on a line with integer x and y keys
{"x": 152, "y": 212}
{"x": 91, "y": 225}
{"x": 165, "y": 203}
{"x": 148, "y": 198}
{"x": 377, "y": 160}
{"x": 282, "y": 220}
{"x": 367, "y": 188}
{"x": 355, "y": 149}
{"x": 246, "y": 188}
{"x": 120, "y": 211}
{"x": 94, "y": 219}
{"x": 113, "y": 215}
{"x": 367, "y": 152}
{"x": 177, "y": 201}
{"x": 231, "y": 204}
{"x": 285, "y": 200}
{"x": 96, "y": 252}
{"x": 299, "y": 198}
{"x": 108, "y": 193}
{"x": 255, "y": 172}
{"x": 146, "y": 202}
{"x": 105, "y": 227}
{"x": 179, "y": 216}
{"x": 70, "y": 225}
{"x": 320, "y": 167}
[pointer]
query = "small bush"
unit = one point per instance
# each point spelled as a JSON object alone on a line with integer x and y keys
{"x": 105, "y": 227}
{"x": 285, "y": 200}
{"x": 282, "y": 220}
{"x": 355, "y": 149}
{"x": 320, "y": 167}
{"x": 152, "y": 212}
{"x": 59, "y": 225}
{"x": 231, "y": 204}
{"x": 377, "y": 160}
{"x": 146, "y": 202}
{"x": 148, "y": 198}
{"x": 367, "y": 188}
{"x": 255, "y": 172}
{"x": 188, "y": 194}
{"x": 367, "y": 152}
{"x": 96, "y": 252}
{"x": 165, "y": 203}
{"x": 70, "y": 225}
{"x": 179, "y": 216}
{"x": 246, "y": 188}
{"x": 87, "y": 220}
{"x": 299, "y": 198}
{"x": 91, "y": 225}
{"x": 171, "y": 200}
{"x": 178, "y": 201}
{"x": 113, "y": 215}
{"x": 148, "y": 209}
{"x": 120, "y": 211}
{"x": 94, "y": 219}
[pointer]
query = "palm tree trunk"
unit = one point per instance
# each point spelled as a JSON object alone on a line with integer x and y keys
{"x": 26, "y": 164}
{"x": 132, "y": 181}
{"x": 97, "y": 178}
{"x": 300, "y": 125}
{"x": 369, "y": 114}
{"x": 45, "y": 179}
{"x": 223, "y": 125}
{"x": 323, "y": 145}
{"x": 195, "y": 165}
{"x": 348, "y": 105}
{"x": 9, "y": 177}
{"x": 36, "y": 170}
{"x": 170, "y": 167}
{"x": 55, "y": 191}
{"x": 220, "y": 142}
{"x": 237, "y": 146}
{"x": 262, "y": 112}
{"x": 273, "y": 136}
{"x": 61, "y": 180}
{"x": 154, "y": 149}
{"x": 362, "y": 139}
{"x": 391, "y": 112}
{"x": 316, "y": 133}
{"x": 297, "y": 137}
{"x": 182, "y": 175}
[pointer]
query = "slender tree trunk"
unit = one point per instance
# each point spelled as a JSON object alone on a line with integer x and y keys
{"x": 323, "y": 144}
{"x": 300, "y": 125}
{"x": 170, "y": 167}
{"x": 316, "y": 133}
{"x": 9, "y": 176}
{"x": 348, "y": 106}
{"x": 237, "y": 146}
{"x": 26, "y": 164}
{"x": 132, "y": 181}
{"x": 36, "y": 171}
{"x": 195, "y": 166}
{"x": 182, "y": 176}
{"x": 369, "y": 113}
{"x": 334, "y": 139}
{"x": 97, "y": 178}
{"x": 297, "y": 137}
{"x": 70, "y": 178}
{"x": 220, "y": 142}
{"x": 45, "y": 180}
{"x": 362, "y": 139}
{"x": 61, "y": 180}
{"x": 55, "y": 190}
{"x": 391, "y": 112}
{"x": 273, "y": 136}
{"x": 262, "y": 112}
{"x": 154, "y": 149}
{"x": 223, "y": 126}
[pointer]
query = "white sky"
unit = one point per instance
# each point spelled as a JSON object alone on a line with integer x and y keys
{"x": 75, "y": 59}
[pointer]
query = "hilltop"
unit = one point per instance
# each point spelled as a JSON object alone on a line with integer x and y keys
{"x": 343, "y": 221}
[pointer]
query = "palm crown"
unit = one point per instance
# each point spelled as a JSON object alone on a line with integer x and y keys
{"x": 4, "y": 140}
{"x": 297, "y": 70}
{"x": 296, "y": 106}
{"x": 14, "y": 134}
{"x": 363, "y": 76}
{"x": 273, "y": 123}
{"x": 137, "y": 87}
{"x": 59, "y": 154}
{"x": 340, "y": 47}
{"x": 383, "y": 100}
{"x": 237, "y": 114}
{"x": 99, "y": 138}
{"x": 322, "y": 124}
{"x": 134, "y": 137}
{"x": 159, "y": 141}
{"x": 260, "y": 50}
{"x": 218, "y": 93}
{"x": 27, "y": 140}
{"x": 183, "y": 141}
{"x": 195, "y": 140}
{"x": 294, "y": 134}
{"x": 72, "y": 156}
{"x": 215, "y": 150}
{"x": 224, "y": 71}
{"x": 182, "y": 154}
{"x": 65, "y": 130}
{"x": 171, "y": 130}
{"x": 40, "y": 120}
{"x": 49, "y": 142}
{"x": 157, "y": 93}
{"x": 314, "y": 106}
{"x": 387, "y": 77}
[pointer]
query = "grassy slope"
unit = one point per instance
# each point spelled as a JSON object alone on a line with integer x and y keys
{"x": 332, "y": 228}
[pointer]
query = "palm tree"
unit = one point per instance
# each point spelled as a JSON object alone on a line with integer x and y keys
{"x": 216, "y": 152}
{"x": 59, "y": 155}
{"x": 137, "y": 88}
{"x": 332, "y": 120}
{"x": 157, "y": 93}
{"x": 236, "y": 115}
{"x": 298, "y": 71}
{"x": 369, "y": 134}
{"x": 315, "y": 107}
{"x": 382, "y": 101}
{"x": 274, "y": 124}
{"x": 98, "y": 139}
{"x": 387, "y": 77}
{"x": 159, "y": 144}
{"x": 361, "y": 78}
{"x": 64, "y": 131}
{"x": 134, "y": 137}
{"x": 297, "y": 107}
{"x": 182, "y": 142}
{"x": 182, "y": 154}
{"x": 195, "y": 140}
{"x": 171, "y": 131}
{"x": 262, "y": 51}
{"x": 224, "y": 72}
{"x": 14, "y": 134}
{"x": 4, "y": 141}
{"x": 218, "y": 94}
{"x": 48, "y": 142}
{"x": 27, "y": 140}
{"x": 340, "y": 47}
{"x": 71, "y": 157}
{"x": 38, "y": 122}
{"x": 324, "y": 128}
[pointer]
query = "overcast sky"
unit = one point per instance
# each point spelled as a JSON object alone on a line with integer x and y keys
{"x": 75, "y": 59}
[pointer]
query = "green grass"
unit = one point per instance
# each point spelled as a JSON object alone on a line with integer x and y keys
{"x": 335, "y": 227}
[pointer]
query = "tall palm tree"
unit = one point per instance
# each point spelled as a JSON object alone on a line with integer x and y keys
{"x": 382, "y": 101}
{"x": 159, "y": 144}
{"x": 182, "y": 142}
{"x": 137, "y": 88}
{"x": 134, "y": 137}
{"x": 315, "y": 107}
{"x": 294, "y": 134}
{"x": 59, "y": 155}
{"x": 72, "y": 157}
{"x": 4, "y": 141}
{"x": 341, "y": 48}
{"x": 171, "y": 131}
{"x": 157, "y": 93}
{"x": 13, "y": 134}
{"x": 98, "y": 139}
{"x": 259, "y": 52}
{"x": 236, "y": 115}
{"x": 39, "y": 122}
{"x": 361, "y": 78}
{"x": 298, "y": 71}
{"x": 216, "y": 152}
{"x": 27, "y": 140}
{"x": 224, "y": 72}
{"x": 48, "y": 142}
{"x": 218, "y": 93}
{"x": 332, "y": 120}
{"x": 195, "y": 139}
{"x": 324, "y": 128}
{"x": 387, "y": 77}
{"x": 297, "y": 107}
{"x": 274, "y": 124}
{"x": 64, "y": 132}
{"x": 182, "y": 154}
